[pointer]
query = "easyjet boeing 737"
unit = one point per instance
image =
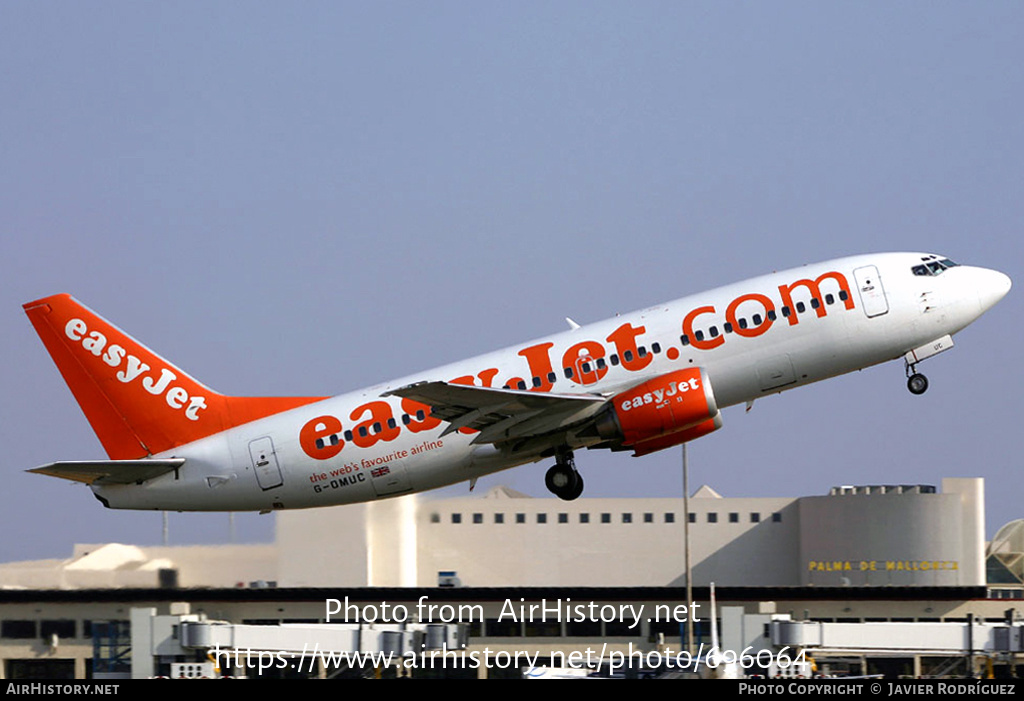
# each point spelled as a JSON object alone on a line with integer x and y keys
{"x": 643, "y": 382}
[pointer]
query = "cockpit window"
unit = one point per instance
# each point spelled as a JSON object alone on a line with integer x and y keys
{"x": 933, "y": 266}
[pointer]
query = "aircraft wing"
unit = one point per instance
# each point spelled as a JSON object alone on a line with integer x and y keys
{"x": 109, "y": 471}
{"x": 501, "y": 415}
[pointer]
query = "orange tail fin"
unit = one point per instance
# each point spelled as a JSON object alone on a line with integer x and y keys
{"x": 137, "y": 403}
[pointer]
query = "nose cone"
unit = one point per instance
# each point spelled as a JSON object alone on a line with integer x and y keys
{"x": 991, "y": 286}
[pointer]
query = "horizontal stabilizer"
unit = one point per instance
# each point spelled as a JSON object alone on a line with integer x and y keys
{"x": 109, "y": 471}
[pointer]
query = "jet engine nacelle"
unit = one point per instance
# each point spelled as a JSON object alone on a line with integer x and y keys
{"x": 667, "y": 410}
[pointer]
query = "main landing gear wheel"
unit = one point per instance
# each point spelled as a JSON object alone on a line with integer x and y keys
{"x": 917, "y": 383}
{"x": 563, "y": 480}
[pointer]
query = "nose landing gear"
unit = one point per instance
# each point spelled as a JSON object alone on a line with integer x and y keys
{"x": 916, "y": 382}
{"x": 562, "y": 479}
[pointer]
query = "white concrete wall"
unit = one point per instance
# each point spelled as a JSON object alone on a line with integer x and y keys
{"x": 323, "y": 547}
{"x": 892, "y": 539}
{"x": 616, "y": 553}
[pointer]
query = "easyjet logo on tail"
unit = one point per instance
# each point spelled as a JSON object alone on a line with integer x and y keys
{"x": 130, "y": 369}
{"x": 138, "y": 403}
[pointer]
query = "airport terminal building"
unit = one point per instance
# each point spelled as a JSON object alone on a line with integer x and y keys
{"x": 878, "y": 555}
{"x": 903, "y": 535}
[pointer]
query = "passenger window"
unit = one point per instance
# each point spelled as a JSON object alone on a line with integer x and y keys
{"x": 786, "y": 311}
{"x": 699, "y": 335}
{"x": 627, "y": 356}
{"x": 800, "y": 307}
{"x": 536, "y": 382}
{"x": 684, "y": 339}
{"x": 743, "y": 323}
{"x": 843, "y": 295}
{"x": 406, "y": 419}
{"x": 829, "y": 299}
{"x": 614, "y": 358}
{"x": 642, "y": 351}
{"x": 757, "y": 320}
{"x": 392, "y": 424}
{"x": 771, "y": 315}
{"x": 568, "y": 373}
{"x": 728, "y": 327}
{"x": 714, "y": 331}
{"x": 348, "y": 436}
{"x": 815, "y": 303}
{"x": 601, "y": 364}
{"x": 656, "y": 347}
{"x": 552, "y": 377}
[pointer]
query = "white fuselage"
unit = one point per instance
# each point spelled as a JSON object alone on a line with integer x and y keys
{"x": 753, "y": 338}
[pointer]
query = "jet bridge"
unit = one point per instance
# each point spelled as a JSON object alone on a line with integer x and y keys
{"x": 183, "y": 644}
{"x": 949, "y": 645}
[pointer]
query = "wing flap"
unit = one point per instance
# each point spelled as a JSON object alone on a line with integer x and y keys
{"x": 109, "y": 471}
{"x": 501, "y": 414}
{"x": 530, "y": 426}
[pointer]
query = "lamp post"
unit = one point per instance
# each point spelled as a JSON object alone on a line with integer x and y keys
{"x": 686, "y": 549}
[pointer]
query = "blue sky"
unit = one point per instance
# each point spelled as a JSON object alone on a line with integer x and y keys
{"x": 303, "y": 199}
